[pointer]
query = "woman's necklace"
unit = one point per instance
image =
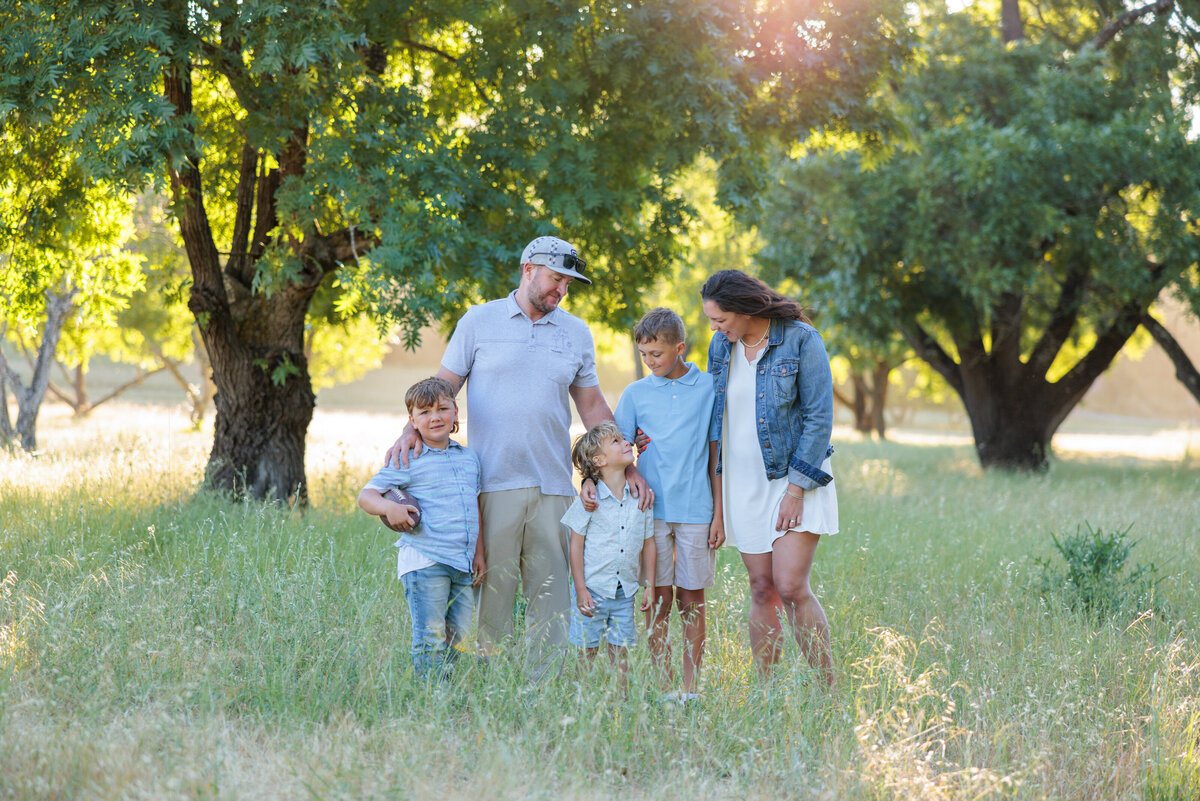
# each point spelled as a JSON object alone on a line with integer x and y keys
{"x": 760, "y": 339}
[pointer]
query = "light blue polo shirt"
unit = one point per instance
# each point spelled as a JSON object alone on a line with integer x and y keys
{"x": 677, "y": 416}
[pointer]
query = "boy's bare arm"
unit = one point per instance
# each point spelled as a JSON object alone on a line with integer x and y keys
{"x": 716, "y": 529}
{"x": 372, "y": 502}
{"x": 583, "y": 598}
{"x": 479, "y": 565}
{"x": 649, "y": 567}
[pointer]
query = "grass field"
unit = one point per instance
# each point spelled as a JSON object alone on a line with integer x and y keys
{"x": 159, "y": 643}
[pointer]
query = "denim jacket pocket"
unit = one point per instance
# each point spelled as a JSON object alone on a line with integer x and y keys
{"x": 785, "y": 374}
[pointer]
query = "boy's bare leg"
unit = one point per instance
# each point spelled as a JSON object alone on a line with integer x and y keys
{"x": 618, "y": 656}
{"x": 691, "y": 610}
{"x": 659, "y": 625}
{"x": 765, "y": 606}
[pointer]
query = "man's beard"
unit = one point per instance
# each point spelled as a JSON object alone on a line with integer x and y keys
{"x": 539, "y": 302}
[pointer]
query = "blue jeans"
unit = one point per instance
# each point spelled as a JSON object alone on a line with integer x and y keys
{"x": 611, "y": 622}
{"x": 441, "y": 604}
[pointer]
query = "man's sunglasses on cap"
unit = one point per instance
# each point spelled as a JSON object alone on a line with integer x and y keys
{"x": 569, "y": 260}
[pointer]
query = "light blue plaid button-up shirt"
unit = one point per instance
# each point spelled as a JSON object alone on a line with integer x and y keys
{"x": 446, "y": 484}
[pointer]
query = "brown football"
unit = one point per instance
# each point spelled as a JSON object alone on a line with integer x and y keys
{"x": 405, "y": 498}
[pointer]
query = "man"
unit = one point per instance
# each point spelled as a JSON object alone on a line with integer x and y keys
{"x": 525, "y": 357}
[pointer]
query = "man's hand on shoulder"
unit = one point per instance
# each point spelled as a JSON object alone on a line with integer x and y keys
{"x": 587, "y": 495}
{"x": 640, "y": 489}
{"x": 407, "y": 447}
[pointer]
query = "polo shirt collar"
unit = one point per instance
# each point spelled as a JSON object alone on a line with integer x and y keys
{"x": 513, "y": 308}
{"x": 602, "y": 490}
{"x": 689, "y": 378}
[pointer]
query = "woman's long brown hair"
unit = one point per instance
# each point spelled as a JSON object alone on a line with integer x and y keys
{"x": 736, "y": 292}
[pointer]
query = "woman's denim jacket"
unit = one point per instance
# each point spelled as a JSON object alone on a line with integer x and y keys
{"x": 794, "y": 406}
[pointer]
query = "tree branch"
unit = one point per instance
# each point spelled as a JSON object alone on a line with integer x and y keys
{"x": 208, "y": 300}
{"x": 928, "y": 349}
{"x": 1110, "y": 31}
{"x": 1062, "y": 320}
{"x": 138, "y": 379}
{"x": 1185, "y": 371}
{"x": 1006, "y": 327}
{"x": 331, "y": 251}
{"x": 1072, "y": 386}
{"x": 238, "y": 264}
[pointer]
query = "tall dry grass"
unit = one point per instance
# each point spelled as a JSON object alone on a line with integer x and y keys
{"x": 160, "y": 642}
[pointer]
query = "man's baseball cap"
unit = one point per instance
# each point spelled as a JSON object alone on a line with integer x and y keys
{"x": 552, "y": 252}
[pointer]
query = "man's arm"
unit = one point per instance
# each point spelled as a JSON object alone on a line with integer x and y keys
{"x": 410, "y": 444}
{"x": 593, "y": 409}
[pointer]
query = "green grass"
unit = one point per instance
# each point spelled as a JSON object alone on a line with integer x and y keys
{"x": 157, "y": 642}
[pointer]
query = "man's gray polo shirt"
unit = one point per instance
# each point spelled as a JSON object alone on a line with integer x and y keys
{"x": 519, "y": 373}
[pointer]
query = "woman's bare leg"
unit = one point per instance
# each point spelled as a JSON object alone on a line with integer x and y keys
{"x": 792, "y": 563}
{"x": 765, "y": 604}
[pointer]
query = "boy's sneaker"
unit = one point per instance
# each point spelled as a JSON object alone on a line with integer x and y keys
{"x": 681, "y": 698}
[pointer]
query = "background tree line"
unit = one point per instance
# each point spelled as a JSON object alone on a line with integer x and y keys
{"x": 998, "y": 193}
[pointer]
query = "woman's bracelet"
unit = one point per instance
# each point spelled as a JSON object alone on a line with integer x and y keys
{"x": 797, "y": 497}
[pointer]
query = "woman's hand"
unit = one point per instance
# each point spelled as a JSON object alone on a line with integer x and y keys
{"x": 791, "y": 510}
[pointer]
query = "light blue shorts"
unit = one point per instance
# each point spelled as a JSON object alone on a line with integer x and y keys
{"x": 611, "y": 622}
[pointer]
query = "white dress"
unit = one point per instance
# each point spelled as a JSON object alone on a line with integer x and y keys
{"x": 751, "y": 500}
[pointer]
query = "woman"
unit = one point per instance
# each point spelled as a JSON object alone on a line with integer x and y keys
{"x": 773, "y": 416}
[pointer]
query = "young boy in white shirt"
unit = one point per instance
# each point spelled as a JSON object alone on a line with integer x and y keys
{"x": 608, "y": 549}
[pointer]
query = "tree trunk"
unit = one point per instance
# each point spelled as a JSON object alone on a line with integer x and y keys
{"x": 264, "y": 405}
{"x": 254, "y": 341}
{"x": 1011, "y": 26}
{"x": 7, "y": 433}
{"x": 29, "y": 399}
{"x": 1014, "y": 410}
{"x": 862, "y": 416}
{"x": 1012, "y": 430}
{"x": 879, "y": 388}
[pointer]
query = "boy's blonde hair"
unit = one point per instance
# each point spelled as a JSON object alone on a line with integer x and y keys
{"x": 427, "y": 392}
{"x": 661, "y": 324}
{"x": 588, "y": 446}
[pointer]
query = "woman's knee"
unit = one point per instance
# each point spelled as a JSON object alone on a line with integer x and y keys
{"x": 794, "y": 592}
{"x": 763, "y": 590}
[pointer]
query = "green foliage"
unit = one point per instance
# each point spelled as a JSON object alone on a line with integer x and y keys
{"x": 446, "y": 135}
{"x": 1095, "y": 579}
{"x": 1029, "y": 186}
{"x": 60, "y": 231}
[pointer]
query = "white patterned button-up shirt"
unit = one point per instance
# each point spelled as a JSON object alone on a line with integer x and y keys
{"x": 614, "y": 535}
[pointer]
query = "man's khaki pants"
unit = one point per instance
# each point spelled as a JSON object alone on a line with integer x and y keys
{"x": 524, "y": 540}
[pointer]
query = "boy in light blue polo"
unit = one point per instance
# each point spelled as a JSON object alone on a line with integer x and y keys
{"x": 673, "y": 407}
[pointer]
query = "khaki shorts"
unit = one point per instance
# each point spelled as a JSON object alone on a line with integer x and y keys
{"x": 684, "y": 558}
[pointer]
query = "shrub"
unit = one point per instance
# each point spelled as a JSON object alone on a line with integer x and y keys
{"x": 1096, "y": 579}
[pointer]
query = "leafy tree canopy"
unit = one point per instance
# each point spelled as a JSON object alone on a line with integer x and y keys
{"x": 1042, "y": 198}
